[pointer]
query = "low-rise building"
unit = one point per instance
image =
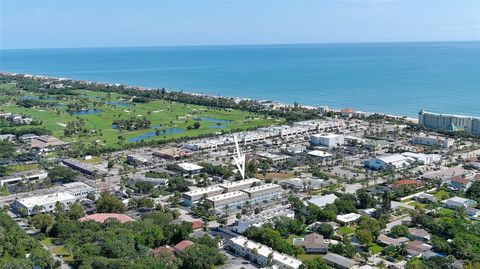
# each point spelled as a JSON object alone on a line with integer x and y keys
{"x": 261, "y": 254}
{"x": 416, "y": 248}
{"x": 79, "y": 189}
{"x": 43, "y": 203}
{"x": 459, "y": 183}
{"x": 430, "y": 140}
{"x": 338, "y": 261}
{"x": 258, "y": 220}
{"x": 173, "y": 153}
{"x": 458, "y": 202}
{"x": 264, "y": 192}
{"x": 227, "y": 200}
{"x": 136, "y": 160}
{"x": 320, "y": 154}
{"x": 240, "y": 184}
{"x": 274, "y": 158}
{"x": 46, "y": 143}
{"x": 24, "y": 176}
{"x": 192, "y": 197}
{"x": 327, "y": 140}
{"x": 84, "y": 168}
{"x": 419, "y": 234}
{"x": 348, "y": 218}
{"x": 191, "y": 168}
{"x": 313, "y": 243}
{"x": 425, "y": 198}
{"x": 323, "y": 200}
{"x": 390, "y": 241}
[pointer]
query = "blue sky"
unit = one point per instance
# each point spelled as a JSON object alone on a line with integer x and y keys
{"x": 100, "y": 23}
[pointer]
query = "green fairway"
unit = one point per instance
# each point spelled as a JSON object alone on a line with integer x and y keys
{"x": 171, "y": 119}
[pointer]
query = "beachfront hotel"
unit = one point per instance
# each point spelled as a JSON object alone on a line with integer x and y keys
{"x": 447, "y": 122}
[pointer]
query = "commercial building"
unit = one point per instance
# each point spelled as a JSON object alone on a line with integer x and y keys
{"x": 136, "y": 160}
{"x": 79, "y": 189}
{"x": 338, "y": 261}
{"x": 24, "y": 176}
{"x": 319, "y": 154}
{"x": 191, "y": 168}
{"x": 43, "y": 203}
{"x": 260, "y": 219}
{"x": 323, "y": 200}
{"x": 192, "y": 197}
{"x": 273, "y": 158}
{"x": 430, "y": 140}
{"x": 261, "y": 254}
{"x": 173, "y": 153}
{"x": 240, "y": 184}
{"x": 47, "y": 143}
{"x": 327, "y": 140}
{"x": 82, "y": 167}
{"x": 403, "y": 160}
{"x": 302, "y": 184}
{"x": 448, "y": 122}
{"x": 264, "y": 192}
{"x": 227, "y": 200}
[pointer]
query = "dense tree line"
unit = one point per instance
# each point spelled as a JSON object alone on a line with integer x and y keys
{"x": 19, "y": 250}
{"x": 131, "y": 124}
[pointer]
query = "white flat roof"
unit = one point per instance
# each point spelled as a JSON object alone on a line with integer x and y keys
{"x": 319, "y": 153}
{"x": 46, "y": 199}
{"x": 324, "y": 200}
{"x": 348, "y": 217}
{"x": 190, "y": 166}
{"x": 204, "y": 190}
{"x": 261, "y": 188}
{"x": 326, "y": 135}
{"x": 227, "y": 195}
{"x": 239, "y": 183}
{"x": 264, "y": 251}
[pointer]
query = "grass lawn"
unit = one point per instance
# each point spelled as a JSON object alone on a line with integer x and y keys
{"x": 305, "y": 257}
{"x": 374, "y": 248}
{"x": 47, "y": 241}
{"x": 23, "y": 167}
{"x": 274, "y": 176}
{"x": 419, "y": 205}
{"x": 172, "y": 117}
{"x": 446, "y": 211}
{"x": 439, "y": 195}
{"x": 345, "y": 230}
{"x": 62, "y": 251}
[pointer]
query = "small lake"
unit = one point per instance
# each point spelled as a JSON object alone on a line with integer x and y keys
{"x": 217, "y": 126}
{"x": 32, "y": 97}
{"x": 118, "y": 103}
{"x": 168, "y": 131}
{"x": 210, "y": 119}
{"x": 87, "y": 112}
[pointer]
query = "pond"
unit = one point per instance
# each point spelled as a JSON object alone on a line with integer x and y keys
{"x": 87, "y": 112}
{"x": 210, "y": 119}
{"x": 168, "y": 131}
{"x": 118, "y": 103}
{"x": 217, "y": 126}
{"x": 32, "y": 97}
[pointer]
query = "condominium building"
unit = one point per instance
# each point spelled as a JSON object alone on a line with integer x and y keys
{"x": 227, "y": 200}
{"x": 447, "y": 122}
{"x": 261, "y": 254}
{"x": 265, "y": 216}
{"x": 240, "y": 184}
{"x": 192, "y": 197}
{"x": 264, "y": 192}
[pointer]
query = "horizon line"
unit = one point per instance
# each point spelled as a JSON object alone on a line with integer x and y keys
{"x": 243, "y": 45}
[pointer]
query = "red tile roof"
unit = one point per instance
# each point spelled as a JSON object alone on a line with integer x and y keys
{"x": 347, "y": 110}
{"x": 460, "y": 180}
{"x": 406, "y": 182}
{"x": 184, "y": 244}
{"x": 163, "y": 249}
{"x": 197, "y": 224}
{"x": 102, "y": 217}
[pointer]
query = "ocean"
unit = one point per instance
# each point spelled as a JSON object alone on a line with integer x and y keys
{"x": 394, "y": 78}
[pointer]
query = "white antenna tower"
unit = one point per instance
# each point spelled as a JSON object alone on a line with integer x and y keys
{"x": 240, "y": 159}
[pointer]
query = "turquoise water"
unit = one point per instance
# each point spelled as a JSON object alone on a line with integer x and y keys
{"x": 118, "y": 103}
{"x": 397, "y": 78}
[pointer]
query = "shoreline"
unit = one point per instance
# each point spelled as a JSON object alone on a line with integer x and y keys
{"x": 236, "y": 98}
